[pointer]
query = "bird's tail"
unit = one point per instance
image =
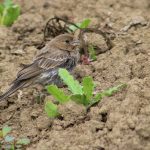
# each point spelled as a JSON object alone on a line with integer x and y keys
{"x": 12, "y": 89}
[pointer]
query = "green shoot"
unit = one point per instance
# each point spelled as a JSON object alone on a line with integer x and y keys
{"x": 108, "y": 92}
{"x": 5, "y": 130}
{"x": 92, "y": 53}
{"x": 81, "y": 94}
{"x": 72, "y": 84}
{"x": 9, "y": 12}
{"x": 51, "y": 109}
{"x": 10, "y": 142}
{"x": 84, "y": 24}
{"x": 88, "y": 87}
{"x": 58, "y": 94}
{"x": 111, "y": 91}
{"x": 80, "y": 99}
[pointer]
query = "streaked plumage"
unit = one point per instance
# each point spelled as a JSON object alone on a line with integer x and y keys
{"x": 61, "y": 52}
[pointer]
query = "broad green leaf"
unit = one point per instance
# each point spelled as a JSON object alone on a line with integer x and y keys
{"x": 72, "y": 84}
{"x": 8, "y": 3}
{"x": 23, "y": 141}
{"x": 74, "y": 28}
{"x": 9, "y": 12}
{"x": 6, "y": 130}
{"x": 58, "y": 94}
{"x": 51, "y": 109}
{"x": 11, "y": 15}
{"x": 80, "y": 99}
{"x": 92, "y": 53}
{"x": 88, "y": 87}
{"x": 9, "y": 138}
{"x": 1, "y": 12}
{"x": 84, "y": 24}
{"x": 1, "y": 9}
{"x": 111, "y": 91}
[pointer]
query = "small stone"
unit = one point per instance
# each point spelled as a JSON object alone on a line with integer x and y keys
{"x": 43, "y": 122}
{"x": 144, "y": 132}
{"x": 146, "y": 92}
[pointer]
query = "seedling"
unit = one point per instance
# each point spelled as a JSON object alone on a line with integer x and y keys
{"x": 9, "y": 142}
{"x": 9, "y": 12}
{"x": 92, "y": 53}
{"x": 84, "y": 24}
{"x": 51, "y": 109}
{"x": 80, "y": 93}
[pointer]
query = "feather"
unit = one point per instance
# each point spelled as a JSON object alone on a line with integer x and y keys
{"x": 12, "y": 89}
{"x": 44, "y": 68}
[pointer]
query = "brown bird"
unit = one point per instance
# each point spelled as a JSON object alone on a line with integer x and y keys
{"x": 61, "y": 52}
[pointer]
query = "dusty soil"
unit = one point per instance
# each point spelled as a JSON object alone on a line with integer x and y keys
{"x": 120, "y": 122}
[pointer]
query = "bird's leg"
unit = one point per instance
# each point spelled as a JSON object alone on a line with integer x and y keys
{"x": 40, "y": 93}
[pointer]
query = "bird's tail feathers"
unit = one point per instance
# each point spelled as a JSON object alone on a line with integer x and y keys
{"x": 12, "y": 89}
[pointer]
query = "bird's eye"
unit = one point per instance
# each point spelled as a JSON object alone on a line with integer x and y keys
{"x": 67, "y": 41}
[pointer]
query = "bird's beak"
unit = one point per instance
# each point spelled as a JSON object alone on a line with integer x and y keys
{"x": 75, "y": 43}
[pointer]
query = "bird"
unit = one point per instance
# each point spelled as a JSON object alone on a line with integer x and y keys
{"x": 61, "y": 52}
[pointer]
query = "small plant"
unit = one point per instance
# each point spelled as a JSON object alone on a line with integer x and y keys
{"x": 9, "y": 142}
{"x": 84, "y": 24}
{"x": 80, "y": 93}
{"x": 9, "y": 12}
{"x": 92, "y": 53}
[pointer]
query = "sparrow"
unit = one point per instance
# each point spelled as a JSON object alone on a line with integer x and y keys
{"x": 60, "y": 52}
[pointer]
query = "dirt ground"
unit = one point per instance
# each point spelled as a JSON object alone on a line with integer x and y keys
{"x": 119, "y": 122}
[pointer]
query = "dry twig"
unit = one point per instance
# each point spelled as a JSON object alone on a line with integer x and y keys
{"x": 56, "y": 26}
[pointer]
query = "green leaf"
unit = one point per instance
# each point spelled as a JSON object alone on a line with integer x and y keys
{"x": 9, "y": 12}
{"x": 84, "y": 24}
{"x": 92, "y": 52}
{"x": 108, "y": 92}
{"x": 80, "y": 99}
{"x": 111, "y": 91}
{"x": 8, "y": 3}
{"x": 9, "y": 138}
{"x": 6, "y": 130}
{"x": 88, "y": 87}
{"x": 11, "y": 15}
{"x": 12, "y": 147}
{"x": 74, "y": 28}
{"x": 58, "y": 94}
{"x": 51, "y": 109}
{"x": 72, "y": 84}
{"x": 23, "y": 141}
{"x": 98, "y": 97}
{"x": 95, "y": 100}
{"x": 1, "y": 12}
{"x": 1, "y": 9}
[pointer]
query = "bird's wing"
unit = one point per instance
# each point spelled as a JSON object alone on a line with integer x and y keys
{"x": 53, "y": 61}
{"x": 43, "y": 63}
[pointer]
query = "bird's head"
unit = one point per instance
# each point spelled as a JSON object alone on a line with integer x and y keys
{"x": 66, "y": 42}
